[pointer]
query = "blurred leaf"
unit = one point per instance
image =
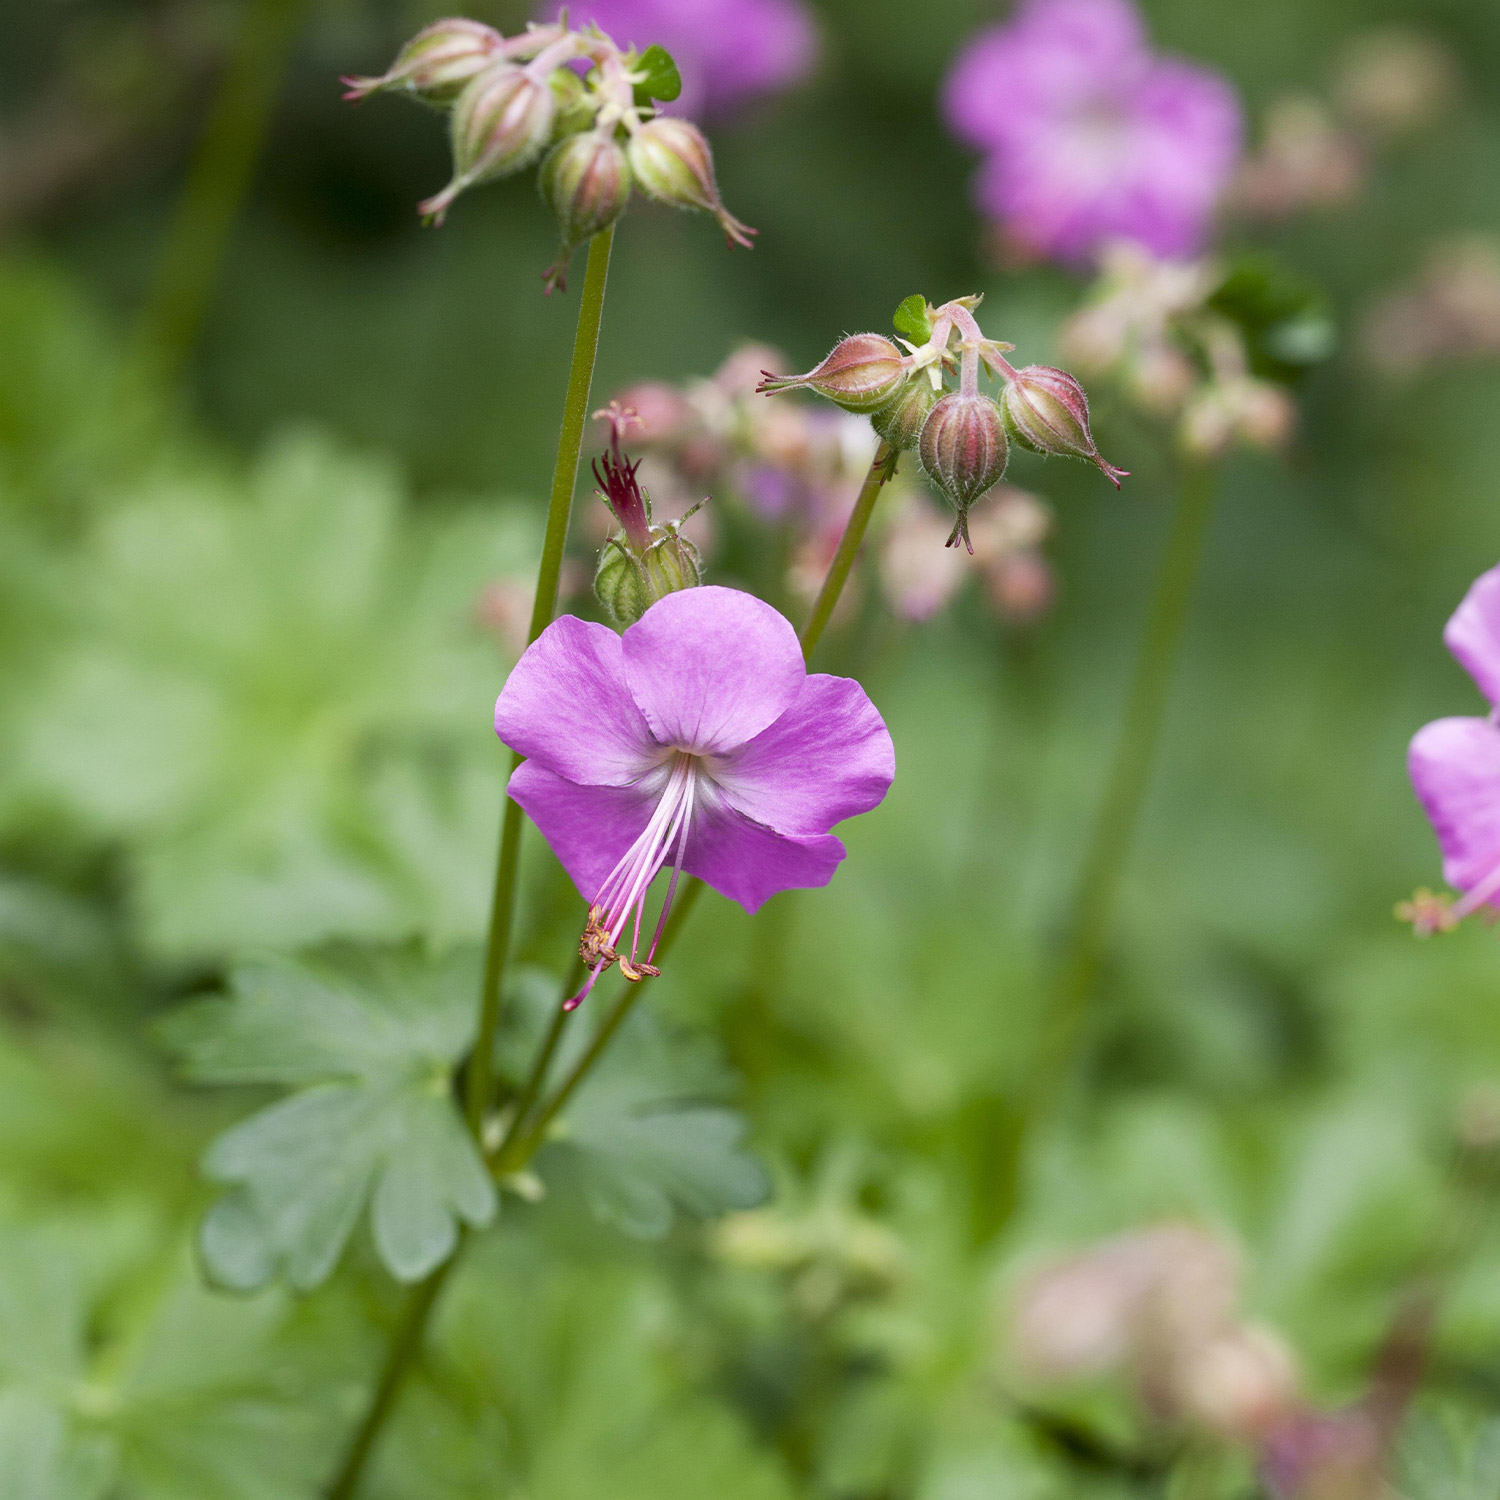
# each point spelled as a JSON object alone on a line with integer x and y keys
{"x": 278, "y": 695}
{"x": 1443, "y": 1457}
{"x": 646, "y": 1140}
{"x": 40, "y": 1459}
{"x": 661, "y": 79}
{"x": 1287, "y": 322}
{"x": 374, "y": 1037}
{"x": 911, "y": 319}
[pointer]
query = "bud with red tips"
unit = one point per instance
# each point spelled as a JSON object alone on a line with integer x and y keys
{"x": 963, "y": 451}
{"x": 586, "y": 183}
{"x": 437, "y": 62}
{"x": 672, "y": 163}
{"x": 900, "y": 422}
{"x": 1047, "y": 411}
{"x": 501, "y": 122}
{"x": 863, "y": 373}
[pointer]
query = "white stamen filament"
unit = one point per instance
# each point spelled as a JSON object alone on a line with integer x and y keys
{"x": 1477, "y": 895}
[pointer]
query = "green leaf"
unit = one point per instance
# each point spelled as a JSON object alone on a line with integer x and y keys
{"x": 659, "y": 78}
{"x": 1285, "y": 318}
{"x": 373, "y": 1037}
{"x": 911, "y": 319}
{"x": 646, "y": 1142}
{"x": 41, "y": 1459}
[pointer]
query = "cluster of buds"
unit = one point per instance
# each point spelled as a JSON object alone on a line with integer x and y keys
{"x": 1149, "y": 326}
{"x": 643, "y": 562}
{"x": 1448, "y": 312}
{"x": 962, "y": 437}
{"x": 1159, "y": 1305}
{"x": 1317, "y": 153}
{"x": 570, "y": 100}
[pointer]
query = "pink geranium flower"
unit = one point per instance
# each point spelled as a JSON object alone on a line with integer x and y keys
{"x": 1455, "y": 767}
{"x": 696, "y": 741}
{"x": 1088, "y": 135}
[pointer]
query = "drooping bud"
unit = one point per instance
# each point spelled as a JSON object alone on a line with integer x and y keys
{"x": 436, "y": 63}
{"x": 672, "y": 163}
{"x": 963, "y": 451}
{"x": 900, "y": 422}
{"x": 1047, "y": 411}
{"x": 863, "y": 373}
{"x": 586, "y": 183}
{"x": 501, "y": 122}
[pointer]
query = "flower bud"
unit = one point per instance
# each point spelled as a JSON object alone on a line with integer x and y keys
{"x": 436, "y": 63}
{"x": 500, "y": 123}
{"x": 621, "y": 586}
{"x": 963, "y": 451}
{"x": 576, "y": 110}
{"x": 863, "y": 373}
{"x": 673, "y": 562}
{"x": 1047, "y": 411}
{"x": 672, "y": 163}
{"x": 586, "y": 183}
{"x": 628, "y": 583}
{"x": 900, "y": 421}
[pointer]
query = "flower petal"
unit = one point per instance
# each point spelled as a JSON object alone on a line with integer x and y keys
{"x": 711, "y": 667}
{"x": 588, "y": 827}
{"x": 749, "y": 863}
{"x": 828, "y": 757}
{"x": 1473, "y": 634}
{"x": 566, "y": 705}
{"x": 1455, "y": 768}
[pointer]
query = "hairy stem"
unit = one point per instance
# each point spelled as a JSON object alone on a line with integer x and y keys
{"x": 1129, "y": 777}
{"x": 848, "y": 549}
{"x": 480, "y": 1079}
{"x": 218, "y": 180}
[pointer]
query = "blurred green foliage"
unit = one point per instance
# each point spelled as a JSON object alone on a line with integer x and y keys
{"x": 245, "y": 685}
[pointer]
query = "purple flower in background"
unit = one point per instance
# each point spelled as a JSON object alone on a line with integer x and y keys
{"x": 1455, "y": 768}
{"x": 728, "y": 51}
{"x": 1088, "y": 135}
{"x": 696, "y": 740}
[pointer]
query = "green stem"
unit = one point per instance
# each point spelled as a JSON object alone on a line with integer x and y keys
{"x": 848, "y": 549}
{"x": 218, "y": 180}
{"x": 406, "y": 1345}
{"x": 1109, "y": 844}
{"x": 480, "y": 1079}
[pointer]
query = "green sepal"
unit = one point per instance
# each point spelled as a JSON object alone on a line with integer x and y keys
{"x": 911, "y": 320}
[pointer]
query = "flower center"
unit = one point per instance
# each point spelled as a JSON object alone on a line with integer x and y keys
{"x": 621, "y": 900}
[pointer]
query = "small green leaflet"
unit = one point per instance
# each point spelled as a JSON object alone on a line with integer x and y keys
{"x": 911, "y": 319}
{"x": 370, "y": 1038}
{"x": 661, "y": 79}
{"x": 647, "y": 1140}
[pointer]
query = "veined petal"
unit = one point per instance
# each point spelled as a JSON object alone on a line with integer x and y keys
{"x": 566, "y": 705}
{"x": 828, "y": 757}
{"x": 749, "y": 863}
{"x": 590, "y": 828}
{"x": 711, "y": 667}
{"x": 1473, "y": 634}
{"x": 1455, "y": 769}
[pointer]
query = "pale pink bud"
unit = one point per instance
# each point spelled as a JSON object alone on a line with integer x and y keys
{"x": 862, "y": 373}
{"x": 1395, "y": 80}
{"x": 1021, "y": 586}
{"x": 437, "y": 62}
{"x": 1048, "y": 412}
{"x": 501, "y": 122}
{"x": 1239, "y": 1384}
{"x": 917, "y": 574}
{"x": 672, "y": 163}
{"x": 963, "y": 451}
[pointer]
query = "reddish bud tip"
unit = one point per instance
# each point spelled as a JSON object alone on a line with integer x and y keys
{"x": 1047, "y": 411}
{"x": 673, "y": 163}
{"x": 963, "y": 451}
{"x": 862, "y": 373}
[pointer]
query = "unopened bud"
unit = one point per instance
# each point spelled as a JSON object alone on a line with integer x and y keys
{"x": 621, "y": 586}
{"x": 672, "y": 163}
{"x": 586, "y": 183}
{"x": 900, "y": 421}
{"x": 436, "y": 63}
{"x": 576, "y": 109}
{"x": 673, "y": 563}
{"x": 501, "y": 122}
{"x": 863, "y": 373}
{"x": 963, "y": 451}
{"x": 1239, "y": 1384}
{"x": 1242, "y": 409}
{"x": 1048, "y": 412}
{"x": 627, "y": 583}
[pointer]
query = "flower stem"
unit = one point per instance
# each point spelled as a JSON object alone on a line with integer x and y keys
{"x": 1109, "y": 844}
{"x": 406, "y": 1344}
{"x": 480, "y": 1078}
{"x": 218, "y": 180}
{"x": 881, "y": 468}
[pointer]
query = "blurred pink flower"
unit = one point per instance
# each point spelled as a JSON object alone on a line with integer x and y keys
{"x": 1089, "y": 135}
{"x": 729, "y": 52}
